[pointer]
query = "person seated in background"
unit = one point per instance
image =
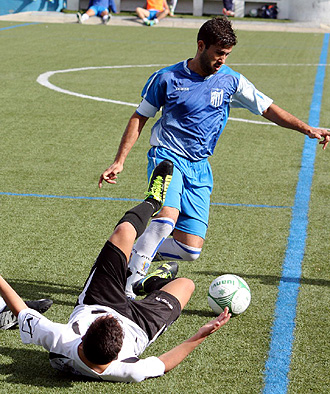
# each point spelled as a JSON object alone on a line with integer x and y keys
{"x": 228, "y": 8}
{"x": 153, "y": 11}
{"x": 98, "y": 8}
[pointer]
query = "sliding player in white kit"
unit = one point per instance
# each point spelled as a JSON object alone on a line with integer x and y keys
{"x": 107, "y": 331}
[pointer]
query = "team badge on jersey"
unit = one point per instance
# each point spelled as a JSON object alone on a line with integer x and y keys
{"x": 216, "y": 97}
{"x": 29, "y": 324}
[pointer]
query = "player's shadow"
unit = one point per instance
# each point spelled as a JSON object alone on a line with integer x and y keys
{"x": 198, "y": 312}
{"x": 30, "y": 365}
{"x": 264, "y": 279}
{"x": 25, "y": 363}
{"x": 34, "y": 290}
{"x": 271, "y": 279}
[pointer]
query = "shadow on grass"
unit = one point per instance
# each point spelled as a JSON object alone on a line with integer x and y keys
{"x": 25, "y": 363}
{"x": 30, "y": 366}
{"x": 270, "y": 279}
{"x": 198, "y": 312}
{"x": 34, "y": 290}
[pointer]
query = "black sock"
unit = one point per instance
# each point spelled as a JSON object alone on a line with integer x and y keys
{"x": 156, "y": 204}
{"x": 140, "y": 215}
{"x": 155, "y": 283}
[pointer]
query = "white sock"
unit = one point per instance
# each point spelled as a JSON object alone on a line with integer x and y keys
{"x": 84, "y": 17}
{"x": 145, "y": 19}
{"x": 2, "y": 304}
{"x": 156, "y": 21}
{"x": 145, "y": 249}
{"x": 171, "y": 249}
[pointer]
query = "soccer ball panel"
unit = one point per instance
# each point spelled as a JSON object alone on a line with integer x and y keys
{"x": 231, "y": 291}
{"x": 241, "y": 300}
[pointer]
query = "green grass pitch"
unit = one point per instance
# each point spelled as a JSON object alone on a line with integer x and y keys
{"x": 57, "y": 144}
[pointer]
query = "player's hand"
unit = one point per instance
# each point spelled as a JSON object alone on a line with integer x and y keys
{"x": 320, "y": 134}
{"x": 214, "y": 325}
{"x": 110, "y": 174}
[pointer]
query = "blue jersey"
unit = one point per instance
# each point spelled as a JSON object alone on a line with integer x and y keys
{"x": 195, "y": 109}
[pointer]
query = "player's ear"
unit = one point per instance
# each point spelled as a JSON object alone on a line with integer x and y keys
{"x": 201, "y": 45}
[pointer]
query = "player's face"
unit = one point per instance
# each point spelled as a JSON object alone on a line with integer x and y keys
{"x": 213, "y": 58}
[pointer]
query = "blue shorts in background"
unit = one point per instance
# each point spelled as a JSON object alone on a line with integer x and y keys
{"x": 152, "y": 14}
{"x": 98, "y": 9}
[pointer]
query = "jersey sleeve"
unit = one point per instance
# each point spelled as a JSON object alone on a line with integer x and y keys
{"x": 146, "y": 109}
{"x": 37, "y": 329}
{"x": 134, "y": 369}
{"x": 153, "y": 95}
{"x": 247, "y": 96}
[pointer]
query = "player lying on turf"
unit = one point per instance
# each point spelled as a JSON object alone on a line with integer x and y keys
{"x": 107, "y": 331}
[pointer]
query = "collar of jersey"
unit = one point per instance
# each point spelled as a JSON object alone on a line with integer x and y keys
{"x": 190, "y": 72}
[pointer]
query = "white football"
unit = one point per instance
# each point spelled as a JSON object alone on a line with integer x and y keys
{"x": 253, "y": 13}
{"x": 231, "y": 291}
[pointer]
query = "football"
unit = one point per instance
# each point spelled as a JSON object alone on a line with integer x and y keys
{"x": 253, "y": 13}
{"x": 231, "y": 291}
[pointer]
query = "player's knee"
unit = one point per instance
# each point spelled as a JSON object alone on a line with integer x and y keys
{"x": 192, "y": 256}
{"x": 185, "y": 251}
{"x": 189, "y": 285}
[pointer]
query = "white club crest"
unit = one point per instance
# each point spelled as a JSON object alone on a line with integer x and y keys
{"x": 216, "y": 97}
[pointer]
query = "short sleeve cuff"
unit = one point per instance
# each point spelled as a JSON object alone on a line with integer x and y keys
{"x": 146, "y": 109}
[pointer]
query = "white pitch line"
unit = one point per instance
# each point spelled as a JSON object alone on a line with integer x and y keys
{"x": 252, "y": 121}
{"x": 43, "y": 80}
{"x": 280, "y": 64}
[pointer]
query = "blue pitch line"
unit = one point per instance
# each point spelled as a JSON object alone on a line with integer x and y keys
{"x": 21, "y": 25}
{"x": 126, "y": 199}
{"x": 224, "y": 204}
{"x": 278, "y": 364}
{"x": 67, "y": 197}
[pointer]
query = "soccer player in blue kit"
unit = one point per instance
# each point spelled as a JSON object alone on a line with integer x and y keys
{"x": 195, "y": 96}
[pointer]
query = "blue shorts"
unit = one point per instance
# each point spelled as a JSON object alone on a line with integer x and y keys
{"x": 152, "y": 14}
{"x": 189, "y": 190}
{"x": 98, "y": 9}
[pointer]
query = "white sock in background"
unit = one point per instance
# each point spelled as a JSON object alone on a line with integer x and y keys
{"x": 145, "y": 249}
{"x": 84, "y": 17}
{"x": 171, "y": 249}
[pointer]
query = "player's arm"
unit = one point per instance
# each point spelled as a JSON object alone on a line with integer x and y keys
{"x": 130, "y": 136}
{"x": 283, "y": 118}
{"x": 174, "y": 357}
{"x": 12, "y": 299}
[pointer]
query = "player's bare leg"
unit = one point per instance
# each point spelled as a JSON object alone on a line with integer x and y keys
{"x": 181, "y": 288}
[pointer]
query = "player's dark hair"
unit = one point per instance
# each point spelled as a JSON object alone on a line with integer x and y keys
{"x": 217, "y": 31}
{"x": 103, "y": 340}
